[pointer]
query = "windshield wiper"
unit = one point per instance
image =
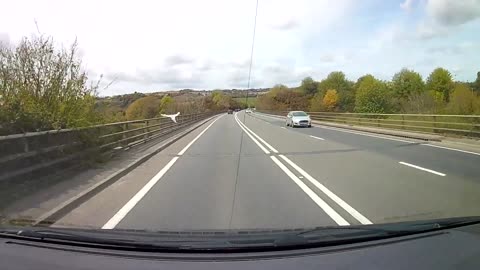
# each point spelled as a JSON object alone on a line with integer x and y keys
{"x": 112, "y": 240}
{"x": 379, "y": 231}
{"x": 231, "y": 241}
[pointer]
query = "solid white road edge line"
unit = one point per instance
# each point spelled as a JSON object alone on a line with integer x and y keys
{"x": 145, "y": 189}
{"x": 251, "y": 137}
{"x": 353, "y": 132}
{"x": 354, "y": 213}
{"x": 452, "y": 149}
{"x": 385, "y": 138}
{"x": 258, "y": 137}
{"x": 318, "y": 138}
{"x": 135, "y": 199}
{"x": 198, "y": 136}
{"x": 364, "y": 134}
{"x": 321, "y": 203}
{"x": 421, "y": 168}
{"x": 273, "y": 117}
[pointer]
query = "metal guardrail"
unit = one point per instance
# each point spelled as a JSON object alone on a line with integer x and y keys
{"x": 463, "y": 125}
{"x": 25, "y": 153}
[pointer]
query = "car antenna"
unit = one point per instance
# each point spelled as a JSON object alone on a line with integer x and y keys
{"x": 246, "y": 101}
{"x": 251, "y": 58}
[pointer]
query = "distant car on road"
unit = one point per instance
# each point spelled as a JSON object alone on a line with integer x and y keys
{"x": 248, "y": 110}
{"x": 298, "y": 119}
{"x": 230, "y": 111}
{"x": 237, "y": 110}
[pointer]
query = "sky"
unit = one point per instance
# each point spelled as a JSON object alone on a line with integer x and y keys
{"x": 149, "y": 46}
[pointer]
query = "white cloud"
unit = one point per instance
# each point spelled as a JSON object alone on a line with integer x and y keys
{"x": 286, "y": 25}
{"x": 4, "y": 38}
{"x": 388, "y": 35}
{"x": 454, "y": 49}
{"x": 327, "y": 58}
{"x": 156, "y": 45}
{"x": 428, "y": 30}
{"x": 178, "y": 59}
{"x": 165, "y": 44}
{"x": 286, "y": 74}
{"x": 453, "y": 12}
{"x": 407, "y": 5}
{"x": 443, "y": 16}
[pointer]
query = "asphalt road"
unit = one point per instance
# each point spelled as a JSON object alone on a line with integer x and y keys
{"x": 249, "y": 171}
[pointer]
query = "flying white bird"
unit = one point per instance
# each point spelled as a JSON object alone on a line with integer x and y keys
{"x": 171, "y": 116}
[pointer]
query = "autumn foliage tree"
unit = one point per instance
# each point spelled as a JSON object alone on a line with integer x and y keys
{"x": 223, "y": 102}
{"x": 372, "y": 96}
{"x": 476, "y": 84}
{"x": 143, "y": 108}
{"x": 316, "y": 103}
{"x": 330, "y": 100}
{"x": 308, "y": 86}
{"x": 440, "y": 84}
{"x": 406, "y": 83}
{"x": 167, "y": 105}
{"x": 345, "y": 91}
{"x": 409, "y": 90}
{"x": 463, "y": 100}
{"x": 280, "y": 97}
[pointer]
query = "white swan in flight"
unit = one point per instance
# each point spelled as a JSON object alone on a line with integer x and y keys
{"x": 171, "y": 116}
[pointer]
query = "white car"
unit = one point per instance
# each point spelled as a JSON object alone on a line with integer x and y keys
{"x": 248, "y": 110}
{"x": 298, "y": 119}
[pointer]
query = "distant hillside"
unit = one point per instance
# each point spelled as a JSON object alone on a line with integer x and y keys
{"x": 230, "y": 92}
{"x": 113, "y": 108}
{"x": 115, "y": 104}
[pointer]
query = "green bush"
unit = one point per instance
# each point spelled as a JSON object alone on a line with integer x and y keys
{"x": 143, "y": 108}
{"x": 42, "y": 88}
{"x": 373, "y": 96}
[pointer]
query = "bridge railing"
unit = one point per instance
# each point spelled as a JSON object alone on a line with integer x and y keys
{"x": 459, "y": 125}
{"x": 30, "y": 152}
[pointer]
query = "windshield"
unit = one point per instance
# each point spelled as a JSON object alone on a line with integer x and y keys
{"x": 176, "y": 116}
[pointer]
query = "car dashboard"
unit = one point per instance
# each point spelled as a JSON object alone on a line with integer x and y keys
{"x": 457, "y": 248}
